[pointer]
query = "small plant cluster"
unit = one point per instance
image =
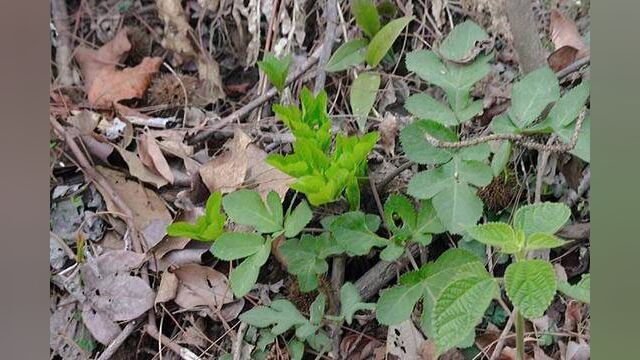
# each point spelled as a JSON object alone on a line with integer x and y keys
{"x": 455, "y": 289}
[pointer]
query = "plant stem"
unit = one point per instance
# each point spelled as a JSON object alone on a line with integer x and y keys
{"x": 519, "y": 335}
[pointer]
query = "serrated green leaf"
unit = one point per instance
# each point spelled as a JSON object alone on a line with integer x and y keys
{"x": 243, "y": 277}
{"x": 303, "y": 258}
{"x": 281, "y": 313}
{"x": 347, "y": 55}
{"x": 297, "y": 220}
{"x": 426, "y": 184}
{"x": 351, "y": 302}
{"x": 245, "y": 207}
{"x": 496, "y": 234}
{"x": 396, "y": 304}
{"x": 501, "y": 157}
{"x": 460, "y": 307}
{"x": 543, "y": 241}
{"x": 458, "y": 206}
{"x": 583, "y": 145}
{"x": 352, "y": 234}
{"x": 362, "y": 96}
{"x": 461, "y": 41}
{"x": 236, "y": 245}
{"x": 531, "y": 286}
{"x": 418, "y": 149}
{"x": 543, "y": 217}
{"x": 425, "y": 107}
{"x": 567, "y": 108}
{"x": 580, "y": 291}
{"x": 470, "y": 111}
{"x": 276, "y": 69}
{"x": 384, "y": 39}
{"x": 366, "y": 15}
{"x": 531, "y": 95}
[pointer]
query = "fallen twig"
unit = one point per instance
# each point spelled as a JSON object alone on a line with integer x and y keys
{"x": 331, "y": 17}
{"x": 117, "y": 342}
{"x": 236, "y": 349}
{"x": 60, "y": 17}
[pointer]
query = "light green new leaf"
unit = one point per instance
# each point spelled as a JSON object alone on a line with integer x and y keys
{"x": 461, "y": 41}
{"x": 396, "y": 304}
{"x": 543, "y": 217}
{"x": 580, "y": 291}
{"x": 501, "y": 157}
{"x": 245, "y": 207}
{"x": 496, "y": 234}
{"x": 366, "y": 15}
{"x": 418, "y": 149}
{"x": 383, "y": 40}
{"x": 276, "y": 69}
{"x": 458, "y": 206}
{"x": 362, "y": 96}
{"x": 460, "y": 307}
{"x": 583, "y": 145}
{"x": 207, "y": 227}
{"x": 530, "y": 285}
{"x": 352, "y": 234}
{"x": 236, "y": 245}
{"x": 347, "y": 55}
{"x": 566, "y": 110}
{"x": 243, "y": 277}
{"x": 531, "y": 95}
{"x": 425, "y": 107}
{"x": 281, "y": 313}
{"x": 543, "y": 241}
{"x": 297, "y": 220}
{"x": 351, "y": 302}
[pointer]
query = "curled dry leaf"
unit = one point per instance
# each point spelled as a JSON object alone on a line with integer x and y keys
{"x": 168, "y": 287}
{"x": 104, "y": 83}
{"x": 226, "y": 173}
{"x": 119, "y": 261}
{"x": 152, "y": 157}
{"x": 567, "y": 40}
{"x": 176, "y": 27}
{"x": 404, "y": 340}
{"x": 357, "y": 347}
{"x": 202, "y": 286}
{"x": 100, "y": 325}
{"x": 150, "y": 215}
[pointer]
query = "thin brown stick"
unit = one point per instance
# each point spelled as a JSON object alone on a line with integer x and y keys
{"x": 60, "y": 17}
{"x": 503, "y": 337}
{"x": 575, "y": 66}
{"x": 118, "y": 341}
{"x": 245, "y": 110}
{"x": 331, "y": 16}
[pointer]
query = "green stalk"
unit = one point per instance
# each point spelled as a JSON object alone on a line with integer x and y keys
{"x": 519, "y": 335}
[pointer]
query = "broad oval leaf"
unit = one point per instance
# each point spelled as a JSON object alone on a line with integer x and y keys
{"x": 245, "y": 207}
{"x": 461, "y": 41}
{"x": 424, "y": 106}
{"x": 566, "y": 110}
{"x": 243, "y": 277}
{"x": 236, "y": 245}
{"x": 460, "y": 307}
{"x": 366, "y": 15}
{"x": 531, "y": 286}
{"x": 396, "y": 304}
{"x": 458, "y": 206}
{"x": 501, "y": 157}
{"x": 583, "y": 145}
{"x": 496, "y": 234}
{"x": 383, "y": 40}
{"x": 347, "y": 55}
{"x": 362, "y": 96}
{"x": 426, "y": 184}
{"x": 418, "y": 149}
{"x": 531, "y": 95}
{"x": 543, "y": 217}
{"x": 543, "y": 241}
{"x": 353, "y": 235}
{"x": 427, "y": 65}
{"x": 297, "y": 220}
{"x": 276, "y": 69}
{"x": 281, "y": 313}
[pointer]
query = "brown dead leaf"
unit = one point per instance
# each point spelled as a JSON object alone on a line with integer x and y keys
{"x": 138, "y": 170}
{"x": 578, "y": 351}
{"x": 104, "y": 83}
{"x": 388, "y": 130}
{"x": 538, "y": 353}
{"x": 263, "y": 177}
{"x": 567, "y": 40}
{"x": 100, "y": 325}
{"x": 168, "y": 287}
{"x": 176, "y": 27}
{"x": 227, "y": 172}
{"x": 151, "y": 155}
{"x": 572, "y": 315}
{"x": 119, "y": 261}
{"x": 62, "y": 329}
{"x": 190, "y": 255}
{"x": 202, "y": 286}
{"x": 357, "y": 347}
{"x": 193, "y": 334}
{"x": 150, "y": 216}
{"x": 84, "y": 120}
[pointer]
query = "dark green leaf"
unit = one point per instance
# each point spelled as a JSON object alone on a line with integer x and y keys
{"x": 384, "y": 39}
{"x": 236, "y": 245}
{"x": 366, "y": 16}
{"x": 363, "y": 95}
{"x": 347, "y": 55}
